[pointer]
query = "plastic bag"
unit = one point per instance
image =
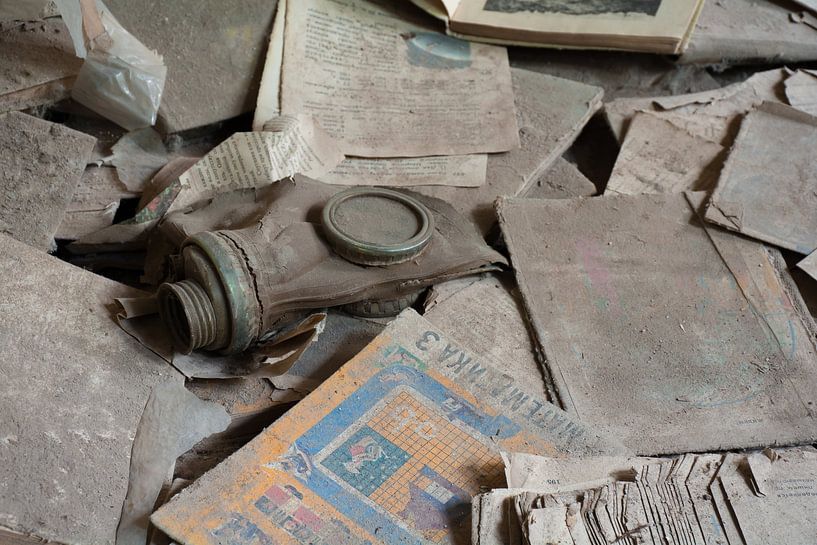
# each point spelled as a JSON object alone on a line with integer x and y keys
{"x": 121, "y": 79}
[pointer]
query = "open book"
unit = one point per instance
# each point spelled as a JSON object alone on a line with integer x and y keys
{"x": 656, "y": 26}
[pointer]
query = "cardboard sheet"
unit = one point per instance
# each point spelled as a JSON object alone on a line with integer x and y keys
{"x": 768, "y": 186}
{"x": 660, "y": 157}
{"x": 713, "y": 115}
{"x": 43, "y": 164}
{"x": 668, "y": 334}
{"x": 551, "y": 112}
{"x": 389, "y": 450}
{"x": 73, "y": 390}
{"x": 384, "y": 84}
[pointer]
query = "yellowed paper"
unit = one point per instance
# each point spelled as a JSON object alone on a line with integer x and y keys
{"x": 661, "y": 27}
{"x": 385, "y": 87}
{"x": 268, "y": 105}
{"x": 288, "y": 145}
{"x": 659, "y": 157}
{"x": 450, "y": 170}
{"x": 713, "y": 115}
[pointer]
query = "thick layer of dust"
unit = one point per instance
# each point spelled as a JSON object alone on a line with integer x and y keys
{"x": 35, "y": 53}
{"x": 42, "y": 166}
{"x": 377, "y": 220}
{"x": 73, "y": 388}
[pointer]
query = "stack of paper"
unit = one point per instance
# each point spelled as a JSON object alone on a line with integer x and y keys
{"x": 709, "y": 499}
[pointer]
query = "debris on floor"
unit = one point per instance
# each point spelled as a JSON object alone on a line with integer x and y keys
{"x": 745, "y": 499}
{"x": 366, "y": 272}
{"x": 394, "y": 445}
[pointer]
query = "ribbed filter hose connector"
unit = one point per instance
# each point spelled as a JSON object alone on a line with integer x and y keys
{"x": 187, "y": 311}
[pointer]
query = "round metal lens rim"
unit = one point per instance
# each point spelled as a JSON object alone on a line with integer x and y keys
{"x": 411, "y": 247}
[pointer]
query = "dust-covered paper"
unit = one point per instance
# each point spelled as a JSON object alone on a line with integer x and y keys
{"x": 386, "y": 85}
{"x": 288, "y": 145}
{"x": 660, "y": 157}
{"x": 450, "y": 170}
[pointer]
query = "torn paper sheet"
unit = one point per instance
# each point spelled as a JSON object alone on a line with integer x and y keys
{"x": 732, "y": 32}
{"x": 60, "y": 343}
{"x": 782, "y": 507}
{"x": 138, "y": 156}
{"x": 725, "y": 361}
{"x": 449, "y": 170}
{"x": 546, "y": 129}
{"x": 43, "y": 163}
{"x": 556, "y": 475}
{"x": 801, "y": 91}
{"x": 288, "y": 145}
{"x": 274, "y": 355}
{"x": 121, "y": 79}
{"x": 809, "y": 264}
{"x": 383, "y": 86}
{"x": 434, "y": 414}
{"x": 173, "y": 421}
{"x": 768, "y": 186}
{"x": 94, "y": 203}
{"x": 713, "y": 115}
{"x": 37, "y": 64}
{"x": 659, "y": 157}
{"x": 268, "y": 103}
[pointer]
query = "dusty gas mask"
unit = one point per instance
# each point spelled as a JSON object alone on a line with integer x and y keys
{"x": 247, "y": 262}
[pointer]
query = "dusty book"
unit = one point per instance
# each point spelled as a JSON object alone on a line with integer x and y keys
{"x": 389, "y": 450}
{"x": 656, "y": 26}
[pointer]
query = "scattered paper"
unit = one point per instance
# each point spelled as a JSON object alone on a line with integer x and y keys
{"x": 556, "y": 475}
{"x": 288, "y": 145}
{"x": 563, "y": 180}
{"x": 699, "y": 332}
{"x": 268, "y": 105}
{"x": 801, "y": 91}
{"x": 768, "y": 186}
{"x": 659, "y": 157}
{"x": 712, "y": 115}
{"x": 173, "y": 421}
{"x": 449, "y": 170}
{"x": 383, "y": 86}
{"x": 546, "y": 129}
{"x": 389, "y": 450}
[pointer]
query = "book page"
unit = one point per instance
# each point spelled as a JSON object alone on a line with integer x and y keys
{"x": 617, "y": 23}
{"x": 387, "y": 87}
{"x": 450, "y": 170}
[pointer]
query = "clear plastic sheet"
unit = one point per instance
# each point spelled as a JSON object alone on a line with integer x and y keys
{"x": 122, "y": 80}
